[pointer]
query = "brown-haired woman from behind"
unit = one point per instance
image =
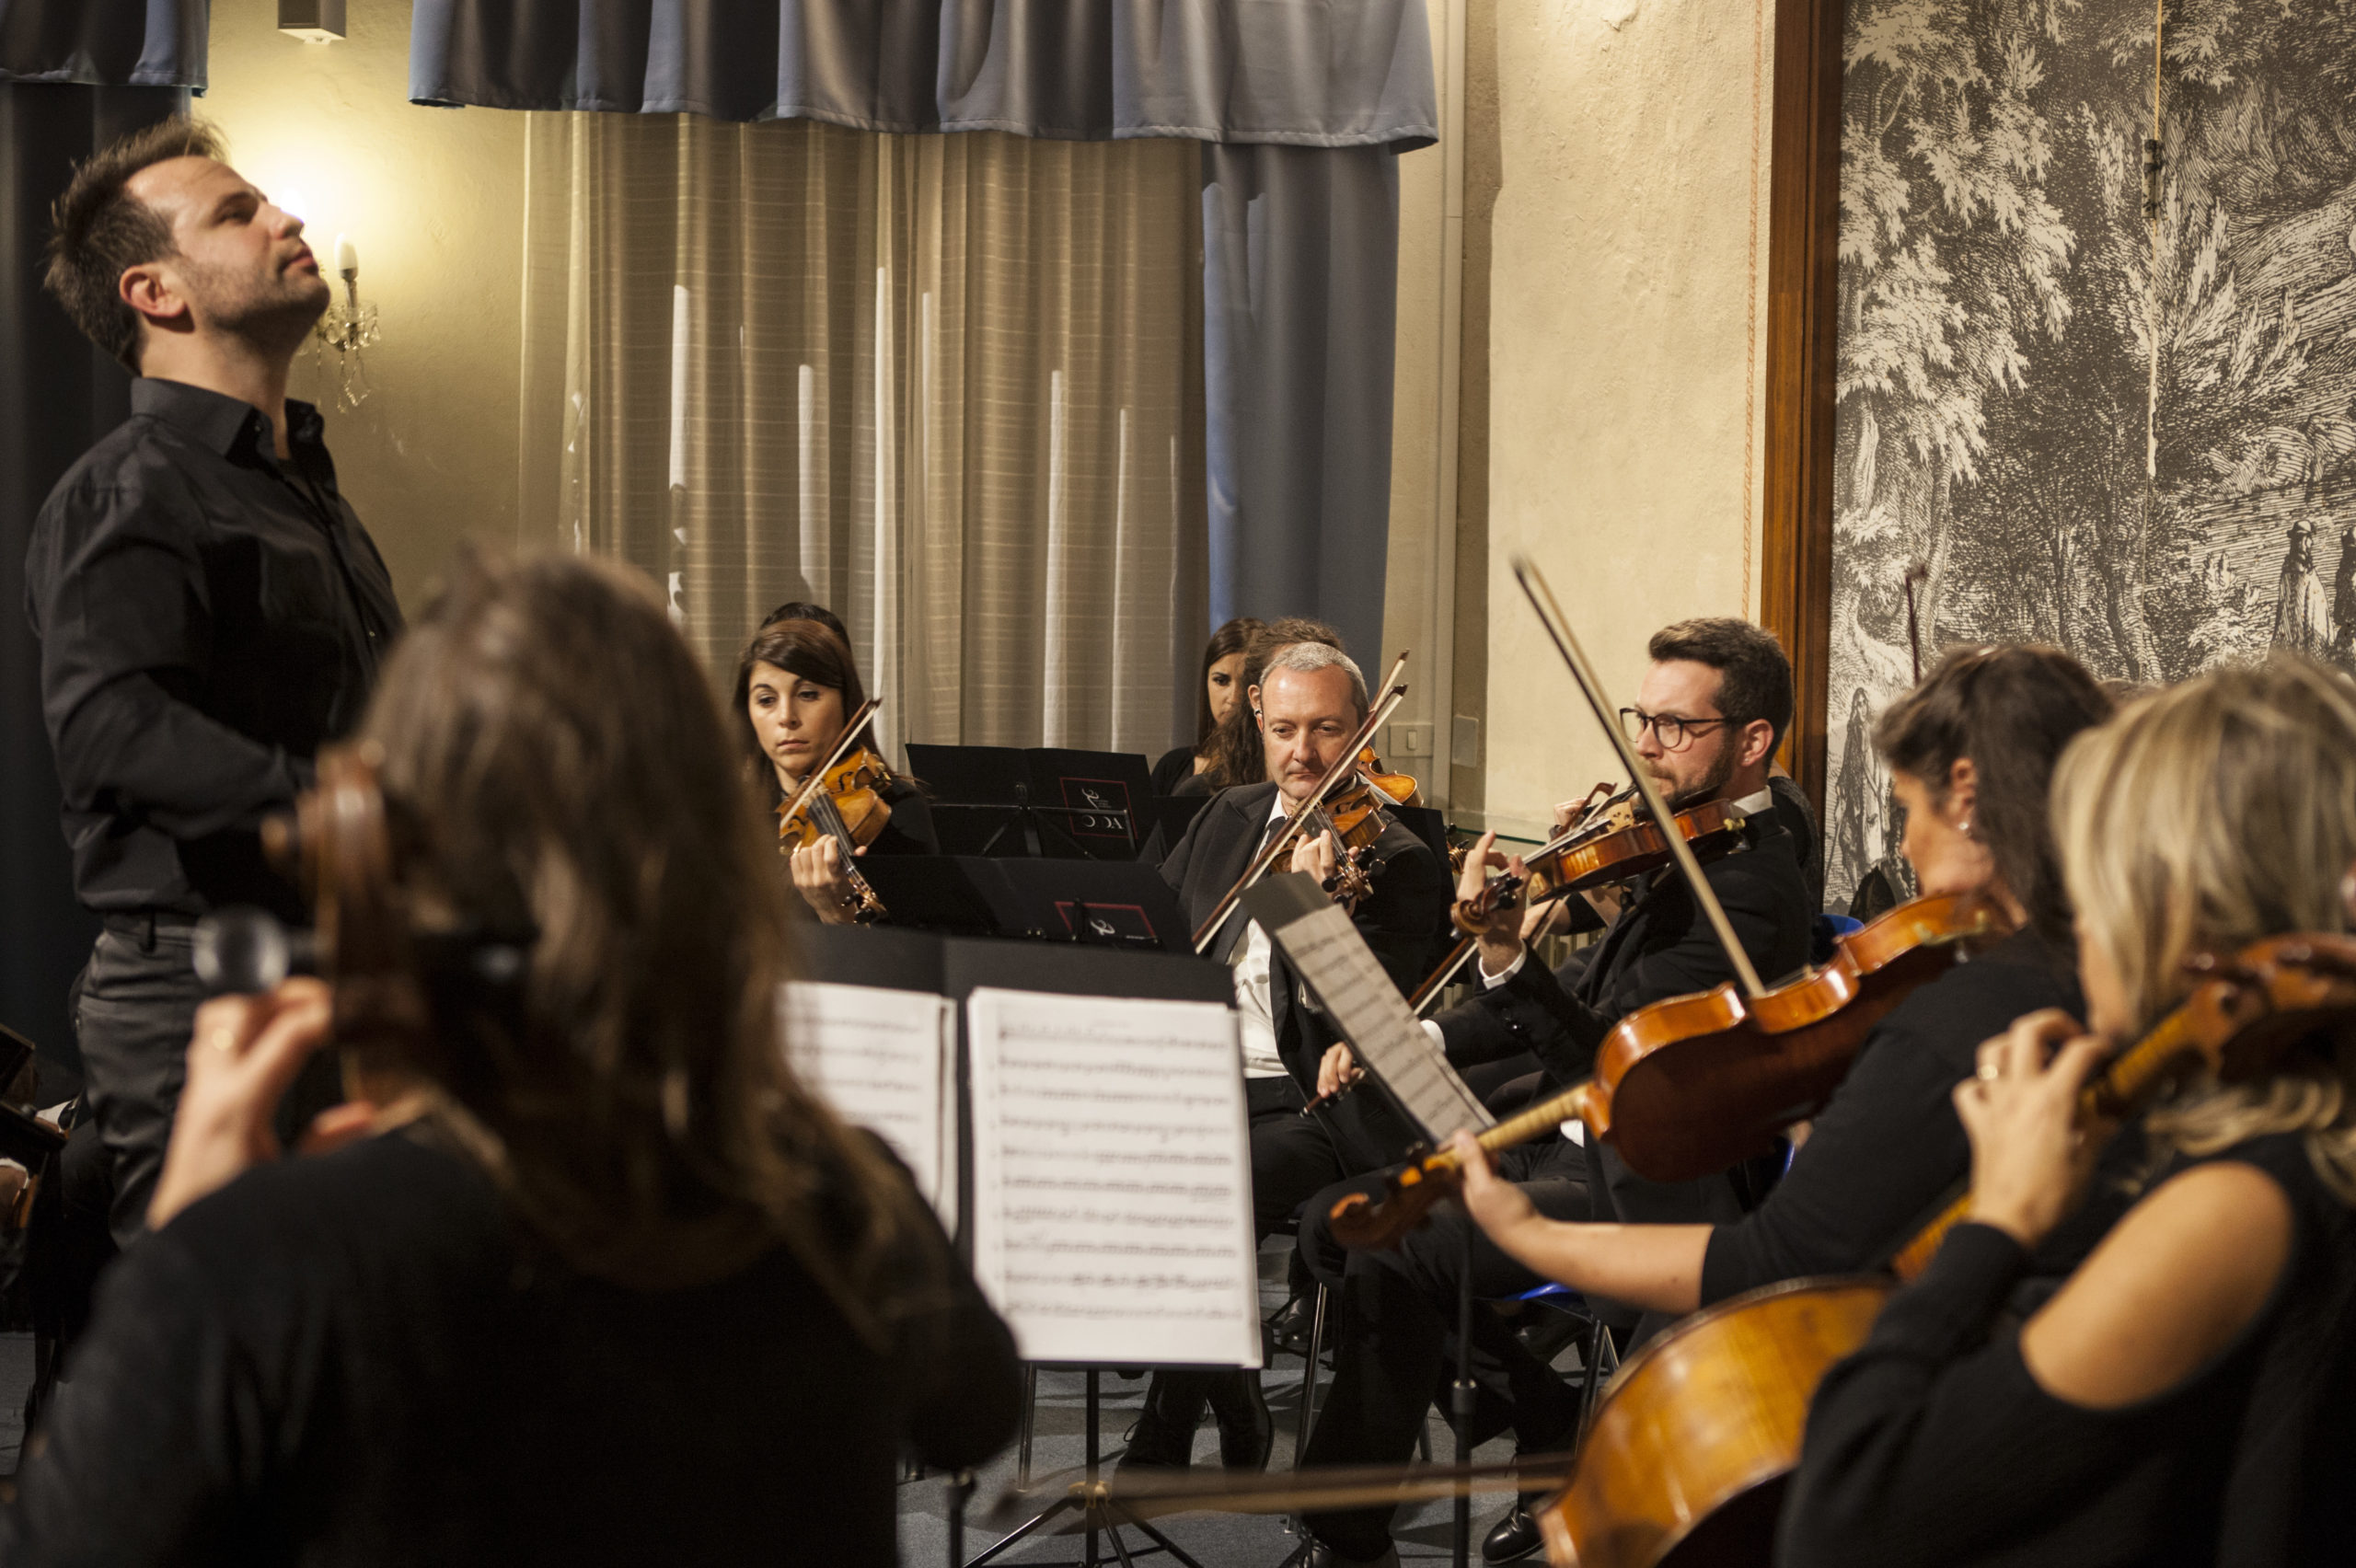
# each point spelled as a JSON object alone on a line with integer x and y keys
{"x": 797, "y": 685}
{"x": 606, "y": 1285}
{"x": 2188, "y": 1395}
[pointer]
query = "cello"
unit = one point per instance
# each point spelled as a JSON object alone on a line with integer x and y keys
{"x": 1687, "y": 1458}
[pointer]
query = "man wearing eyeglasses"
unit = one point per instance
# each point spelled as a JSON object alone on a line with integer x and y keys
{"x": 1707, "y": 717}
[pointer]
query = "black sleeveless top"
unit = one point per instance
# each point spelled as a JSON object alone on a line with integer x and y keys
{"x": 1935, "y": 1445}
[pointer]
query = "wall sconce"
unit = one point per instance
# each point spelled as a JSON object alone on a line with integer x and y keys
{"x": 347, "y": 326}
{"x": 314, "y": 22}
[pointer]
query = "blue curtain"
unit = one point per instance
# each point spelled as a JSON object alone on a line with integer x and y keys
{"x": 1301, "y": 106}
{"x": 145, "y": 43}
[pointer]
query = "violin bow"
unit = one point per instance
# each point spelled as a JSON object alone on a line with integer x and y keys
{"x": 1567, "y": 644}
{"x": 1395, "y": 692}
{"x": 817, "y": 777}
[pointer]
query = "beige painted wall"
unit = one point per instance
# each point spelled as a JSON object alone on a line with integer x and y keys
{"x": 1617, "y": 183}
{"x": 434, "y": 199}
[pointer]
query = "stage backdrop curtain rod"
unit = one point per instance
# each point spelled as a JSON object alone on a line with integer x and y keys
{"x": 1298, "y": 106}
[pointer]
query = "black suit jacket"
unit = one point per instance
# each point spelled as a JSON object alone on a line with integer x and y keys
{"x": 1400, "y": 919}
{"x": 1662, "y": 945}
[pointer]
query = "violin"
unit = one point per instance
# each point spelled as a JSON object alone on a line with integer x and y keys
{"x": 1621, "y": 842}
{"x": 1355, "y": 815}
{"x": 1688, "y": 1086}
{"x": 1603, "y": 844}
{"x": 1701, "y": 1427}
{"x": 841, "y": 799}
{"x": 1400, "y": 787}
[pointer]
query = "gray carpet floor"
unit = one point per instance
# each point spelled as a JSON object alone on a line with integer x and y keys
{"x": 1215, "y": 1540}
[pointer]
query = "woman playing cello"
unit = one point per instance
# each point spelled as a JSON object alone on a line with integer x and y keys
{"x": 2186, "y": 1396}
{"x": 1972, "y": 749}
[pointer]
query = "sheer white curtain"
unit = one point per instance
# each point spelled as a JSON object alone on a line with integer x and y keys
{"x": 949, "y": 386}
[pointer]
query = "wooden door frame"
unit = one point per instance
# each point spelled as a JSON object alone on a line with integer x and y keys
{"x": 1802, "y": 246}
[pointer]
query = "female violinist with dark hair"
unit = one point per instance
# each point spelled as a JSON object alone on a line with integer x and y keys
{"x": 797, "y": 685}
{"x": 2189, "y": 1394}
{"x": 1220, "y": 693}
{"x": 1972, "y": 750}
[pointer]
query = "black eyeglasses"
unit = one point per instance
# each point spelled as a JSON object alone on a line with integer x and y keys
{"x": 1675, "y": 733}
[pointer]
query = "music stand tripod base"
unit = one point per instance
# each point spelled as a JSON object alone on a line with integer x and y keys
{"x": 1087, "y": 1498}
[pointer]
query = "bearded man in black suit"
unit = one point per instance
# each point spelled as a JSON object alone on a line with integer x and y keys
{"x": 1714, "y": 704}
{"x": 1310, "y": 703}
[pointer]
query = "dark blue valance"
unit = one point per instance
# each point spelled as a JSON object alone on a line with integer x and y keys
{"x": 139, "y": 43}
{"x": 1306, "y": 72}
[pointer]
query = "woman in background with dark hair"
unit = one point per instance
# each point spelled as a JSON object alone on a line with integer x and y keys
{"x": 797, "y": 685}
{"x": 599, "y": 1282}
{"x": 1220, "y": 693}
{"x": 1233, "y": 754}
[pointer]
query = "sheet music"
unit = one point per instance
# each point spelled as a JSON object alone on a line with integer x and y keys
{"x": 1327, "y": 953}
{"x": 887, "y": 1061}
{"x": 1112, "y": 1179}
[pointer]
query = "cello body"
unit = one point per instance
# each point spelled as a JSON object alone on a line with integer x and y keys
{"x": 1686, "y": 1462}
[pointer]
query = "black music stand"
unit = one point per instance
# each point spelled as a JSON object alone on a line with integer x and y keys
{"x": 1045, "y": 801}
{"x": 1117, "y": 904}
{"x": 1167, "y": 817}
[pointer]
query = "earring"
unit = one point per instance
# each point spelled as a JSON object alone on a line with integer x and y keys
{"x": 1967, "y": 827}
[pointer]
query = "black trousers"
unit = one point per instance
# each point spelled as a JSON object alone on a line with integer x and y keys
{"x": 138, "y": 1007}
{"x": 1294, "y": 1157}
{"x": 1396, "y": 1330}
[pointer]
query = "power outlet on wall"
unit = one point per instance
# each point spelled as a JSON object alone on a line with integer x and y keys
{"x": 1411, "y": 740}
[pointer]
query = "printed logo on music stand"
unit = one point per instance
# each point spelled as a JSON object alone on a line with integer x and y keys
{"x": 1107, "y": 922}
{"x": 1102, "y": 806}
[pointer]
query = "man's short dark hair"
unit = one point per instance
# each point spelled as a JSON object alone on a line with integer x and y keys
{"x": 98, "y": 230}
{"x": 1754, "y": 678}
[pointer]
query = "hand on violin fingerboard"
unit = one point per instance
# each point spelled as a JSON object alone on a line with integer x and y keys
{"x": 1317, "y": 855}
{"x": 818, "y": 878}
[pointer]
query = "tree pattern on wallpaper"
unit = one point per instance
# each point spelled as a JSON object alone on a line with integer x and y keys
{"x": 2138, "y": 444}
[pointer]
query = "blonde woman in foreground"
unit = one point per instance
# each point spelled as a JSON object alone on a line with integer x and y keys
{"x": 2186, "y": 1397}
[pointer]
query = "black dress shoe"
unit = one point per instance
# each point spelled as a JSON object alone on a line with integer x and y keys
{"x": 1513, "y": 1538}
{"x": 1247, "y": 1433}
{"x": 1292, "y": 1326}
{"x": 1164, "y": 1438}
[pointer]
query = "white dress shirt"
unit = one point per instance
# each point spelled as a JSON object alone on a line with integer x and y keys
{"x": 1255, "y": 1004}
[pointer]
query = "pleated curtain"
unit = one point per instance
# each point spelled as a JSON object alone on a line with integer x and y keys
{"x": 948, "y": 385}
{"x": 140, "y": 43}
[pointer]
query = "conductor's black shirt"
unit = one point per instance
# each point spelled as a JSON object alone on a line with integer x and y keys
{"x": 209, "y": 616}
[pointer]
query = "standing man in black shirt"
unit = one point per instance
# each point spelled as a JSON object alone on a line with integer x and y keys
{"x": 209, "y": 608}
